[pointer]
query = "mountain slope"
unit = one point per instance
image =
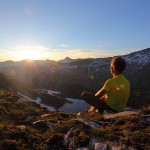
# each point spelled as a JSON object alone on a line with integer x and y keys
{"x": 4, "y": 82}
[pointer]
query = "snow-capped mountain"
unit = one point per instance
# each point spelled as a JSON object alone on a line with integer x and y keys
{"x": 138, "y": 60}
{"x": 140, "y": 57}
{"x": 135, "y": 60}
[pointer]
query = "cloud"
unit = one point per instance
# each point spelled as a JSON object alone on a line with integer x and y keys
{"x": 28, "y": 11}
{"x": 76, "y": 53}
{"x": 5, "y": 54}
{"x": 65, "y": 45}
{"x": 44, "y": 52}
{"x": 32, "y": 47}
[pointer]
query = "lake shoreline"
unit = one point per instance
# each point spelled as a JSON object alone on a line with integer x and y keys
{"x": 70, "y": 106}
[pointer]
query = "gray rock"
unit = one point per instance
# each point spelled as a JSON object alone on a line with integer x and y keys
{"x": 41, "y": 122}
{"x": 68, "y": 138}
{"x": 93, "y": 141}
{"x": 120, "y": 114}
{"x": 100, "y": 146}
{"x": 72, "y": 144}
{"x": 89, "y": 123}
{"x": 22, "y": 128}
{"x": 145, "y": 118}
{"x": 45, "y": 115}
{"x": 49, "y": 124}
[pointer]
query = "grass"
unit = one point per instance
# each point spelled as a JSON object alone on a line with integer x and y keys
{"x": 130, "y": 130}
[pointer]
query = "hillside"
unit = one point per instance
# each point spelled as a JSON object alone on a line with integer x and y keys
{"x": 26, "y": 125}
{"x": 4, "y": 82}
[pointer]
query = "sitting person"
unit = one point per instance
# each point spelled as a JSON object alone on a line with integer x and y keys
{"x": 113, "y": 96}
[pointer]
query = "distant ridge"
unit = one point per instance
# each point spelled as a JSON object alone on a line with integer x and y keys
{"x": 66, "y": 60}
{"x": 147, "y": 50}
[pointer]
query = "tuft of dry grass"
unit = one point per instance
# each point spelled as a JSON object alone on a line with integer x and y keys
{"x": 146, "y": 109}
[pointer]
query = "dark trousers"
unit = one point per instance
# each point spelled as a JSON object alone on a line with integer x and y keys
{"x": 95, "y": 101}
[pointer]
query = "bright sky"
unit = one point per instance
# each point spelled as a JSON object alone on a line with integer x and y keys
{"x": 55, "y": 29}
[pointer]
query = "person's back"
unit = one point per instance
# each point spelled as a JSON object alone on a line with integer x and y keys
{"x": 118, "y": 89}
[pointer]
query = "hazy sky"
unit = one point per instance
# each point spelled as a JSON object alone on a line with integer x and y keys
{"x": 54, "y": 29}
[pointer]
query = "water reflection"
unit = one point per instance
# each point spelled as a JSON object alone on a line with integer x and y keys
{"x": 75, "y": 106}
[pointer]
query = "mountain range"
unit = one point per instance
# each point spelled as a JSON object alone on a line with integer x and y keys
{"x": 72, "y": 76}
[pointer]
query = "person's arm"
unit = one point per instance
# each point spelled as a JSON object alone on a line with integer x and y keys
{"x": 100, "y": 93}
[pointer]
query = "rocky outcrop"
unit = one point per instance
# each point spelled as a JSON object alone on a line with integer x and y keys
{"x": 102, "y": 143}
{"x": 120, "y": 114}
{"x": 89, "y": 123}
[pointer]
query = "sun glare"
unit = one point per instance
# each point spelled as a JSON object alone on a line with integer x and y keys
{"x": 29, "y": 54}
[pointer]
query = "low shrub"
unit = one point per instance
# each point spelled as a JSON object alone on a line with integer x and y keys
{"x": 16, "y": 114}
{"x": 11, "y": 99}
{"x": 146, "y": 110}
{"x": 3, "y": 112}
{"x": 6, "y": 104}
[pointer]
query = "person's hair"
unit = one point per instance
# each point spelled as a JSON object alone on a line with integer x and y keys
{"x": 119, "y": 64}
